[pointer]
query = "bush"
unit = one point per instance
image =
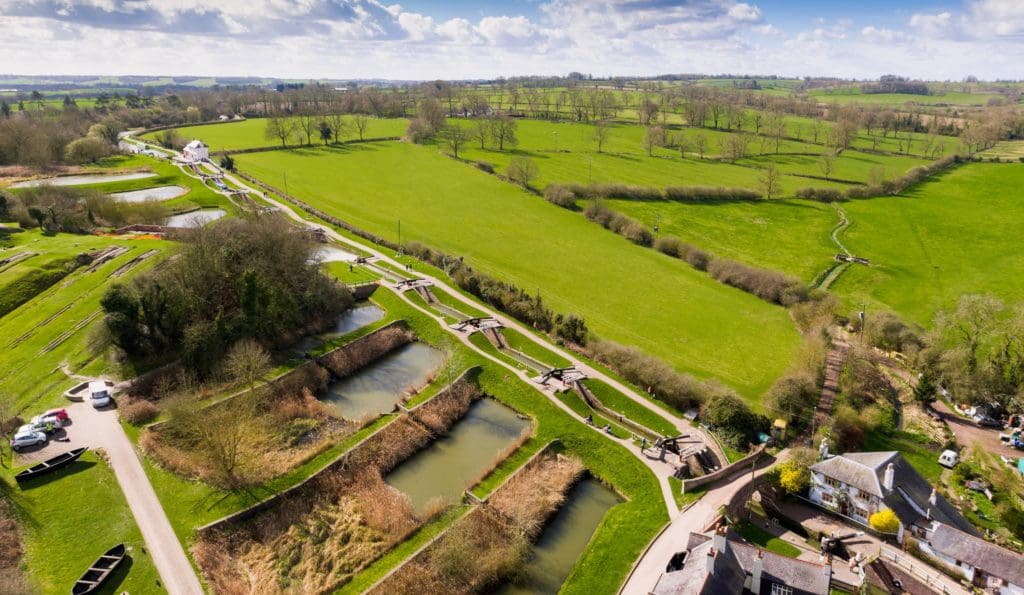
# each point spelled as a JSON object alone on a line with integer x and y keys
{"x": 792, "y": 397}
{"x": 561, "y": 196}
{"x": 624, "y": 191}
{"x": 681, "y": 391}
{"x": 485, "y": 166}
{"x": 699, "y": 193}
{"x": 884, "y": 520}
{"x": 696, "y": 257}
{"x": 768, "y": 285}
{"x": 732, "y": 419}
{"x": 138, "y": 411}
{"x": 670, "y": 245}
{"x": 637, "y": 233}
{"x": 793, "y": 477}
{"x": 886, "y": 331}
{"x": 89, "y": 149}
{"x": 820, "y": 194}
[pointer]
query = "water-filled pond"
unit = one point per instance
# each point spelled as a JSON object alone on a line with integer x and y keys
{"x": 158, "y": 193}
{"x": 564, "y": 539}
{"x": 83, "y": 180}
{"x": 333, "y": 254}
{"x": 195, "y": 218}
{"x": 450, "y": 463}
{"x": 376, "y": 388}
{"x": 360, "y": 315}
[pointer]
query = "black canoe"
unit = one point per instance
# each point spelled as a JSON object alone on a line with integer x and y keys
{"x": 61, "y": 460}
{"x": 99, "y": 571}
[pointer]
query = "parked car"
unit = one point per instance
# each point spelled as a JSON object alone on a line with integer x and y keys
{"x": 61, "y": 414}
{"x": 986, "y": 421}
{"x": 46, "y": 418}
{"x": 45, "y": 426}
{"x": 25, "y": 438}
{"x": 949, "y": 458}
{"x": 99, "y": 394}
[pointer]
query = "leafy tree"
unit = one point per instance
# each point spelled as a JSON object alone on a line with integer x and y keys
{"x": 455, "y": 136}
{"x": 925, "y": 390}
{"x": 794, "y": 478}
{"x": 325, "y": 132}
{"x": 227, "y": 162}
{"x": 503, "y": 131}
{"x": 89, "y": 149}
{"x": 5, "y": 109}
{"x": 38, "y": 215}
{"x": 885, "y": 520}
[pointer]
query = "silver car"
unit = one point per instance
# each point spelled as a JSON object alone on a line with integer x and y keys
{"x": 24, "y": 438}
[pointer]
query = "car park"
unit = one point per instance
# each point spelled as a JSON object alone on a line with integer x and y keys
{"x": 24, "y": 438}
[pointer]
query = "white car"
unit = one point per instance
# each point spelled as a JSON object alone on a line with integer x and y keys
{"x": 24, "y": 438}
{"x": 99, "y": 394}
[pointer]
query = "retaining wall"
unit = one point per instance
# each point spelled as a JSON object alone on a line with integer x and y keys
{"x": 689, "y": 484}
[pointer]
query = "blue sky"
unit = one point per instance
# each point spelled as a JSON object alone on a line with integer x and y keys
{"x": 418, "y": 39}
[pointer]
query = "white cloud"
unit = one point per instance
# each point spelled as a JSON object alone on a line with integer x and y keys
{"x": 881, "y": 34}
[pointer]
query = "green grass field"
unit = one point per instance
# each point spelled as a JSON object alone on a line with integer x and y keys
{"x": 1006, "y": 149}
{"x": 626, "y": 293}
{"x": 938, "y": 241}
{"x": 248, "y": 134}
{"x": 853, "y": 95}
{"x": 567, "y": 152}
{"x": 68, "y": 519}
{"x": 788, "y": 235}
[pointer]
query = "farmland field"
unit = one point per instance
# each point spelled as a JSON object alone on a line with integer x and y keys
{"x": 248, "y": 134}
{"x": 626, "y": 293}
{"x": 566, "y": 152}
{"x": 850, "y": 95}
{"x": 938, "y": 241}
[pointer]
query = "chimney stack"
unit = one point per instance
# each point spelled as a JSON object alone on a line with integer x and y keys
{"x": 719, "y": 542}
{"x": 890, "y": 473}
{"x": 711, "y": 561}
{"x": 755, "y": 573}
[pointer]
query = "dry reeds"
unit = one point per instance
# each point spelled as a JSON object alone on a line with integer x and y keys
{"x": 439, "y": 413}
{"x": 12, "y": 580}
{"x": 346, "y": 360}
{"x": 503, "y": 454}
{"x": 537, "y": 491}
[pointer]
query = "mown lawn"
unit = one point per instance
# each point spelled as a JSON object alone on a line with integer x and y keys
{"x": 71, "y": 517}
{"x": 759, "y": 537}
{"x": 940, "y": 240}
{"x": 248, "y": 134}
{"x": 625, "y": 292}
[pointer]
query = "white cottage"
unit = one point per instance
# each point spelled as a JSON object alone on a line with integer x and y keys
{"x": 196, "y": 151}
{"x": 984, "y": 564}
{"x": 859, "y": 484}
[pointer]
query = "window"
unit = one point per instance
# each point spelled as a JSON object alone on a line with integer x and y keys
{"x": 863, "y": 496}
{"x": 778, "y": 589}
{"x": 832, "y": 482}
{"x": 861, "y": 512}
{"x": 827, "y": 498}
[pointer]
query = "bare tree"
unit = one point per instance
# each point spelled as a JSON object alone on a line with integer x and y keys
{"x": 826, "y": 162}
{"x": 503, "y": 131}
{"x": 679, "y": 140}
{"x": 654, "y": 136}
{"x": 246, "y": 361}
{"x": 361, "y": 121}
{"x": 482, "y": 131}
{"x": 522, "y": 170}
{"x": 307, "y": 123}
{"x": 280, "y": 128}
{"x": 601, "y": 131}
{"x": 700, "y": 142}
{"x": 734, "y": 146}
{"x": 770, "y": 181}
{"x": 455, "y": 136}
{"x": 339, "y": 125}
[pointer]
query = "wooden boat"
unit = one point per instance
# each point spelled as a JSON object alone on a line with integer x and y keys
{"x": 62, "y": 460}
{"x": 100, "y": 570}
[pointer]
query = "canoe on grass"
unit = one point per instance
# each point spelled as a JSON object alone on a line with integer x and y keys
{"x": 101, "y": 569}
{"x": 62, "y": 460}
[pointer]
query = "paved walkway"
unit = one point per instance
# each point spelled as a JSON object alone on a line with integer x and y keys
{"x": 100, "y": 429}
{"x": 833, "y": 368}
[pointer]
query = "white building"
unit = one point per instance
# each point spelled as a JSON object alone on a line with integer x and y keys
{"x": 984, "y": 564}
{"x": 196, "y": 151}
{"x": 859, "y": 484}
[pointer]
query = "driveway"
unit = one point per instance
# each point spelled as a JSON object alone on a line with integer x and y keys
{"x": 98, "y": 429}
{"x": 968, "y": 433}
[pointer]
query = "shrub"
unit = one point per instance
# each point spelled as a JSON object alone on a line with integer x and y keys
{"x": 792, "y": 397}
{"x": 886, "y": 331}
{"x": 884, "y": 520}
{"x": 669, "y": 245}
{"x": 138, "y": 411}
{"x": 732, "y": 419}
{"x": 696, "y": 257}
{"x": 561, "y": 196}
{"x": 699, "y": 193}
{"x": 485, "y": 166}
{"x": 89, "y": 149}
{"x": 681, "y": 391}
{"x": 637, "y": 233}
{"x": 820, "y": 194}
{"x": 768, "y": 285}
{"x": 624, "y": 191}
{"x": 793, "y": 477}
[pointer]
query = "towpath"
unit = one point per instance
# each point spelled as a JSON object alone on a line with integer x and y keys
{"x": 661, "y": 469}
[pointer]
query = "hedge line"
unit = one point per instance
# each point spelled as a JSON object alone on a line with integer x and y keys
{"x": 886, "y": 187}
{"x": 562, "y": 194}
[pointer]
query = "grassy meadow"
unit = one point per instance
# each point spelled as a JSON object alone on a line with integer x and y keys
{"x": 625, "y": 292}
{"x": 939, "y": 97}
{"x": 941, "y": 239}
{"x": 249, "y": 134}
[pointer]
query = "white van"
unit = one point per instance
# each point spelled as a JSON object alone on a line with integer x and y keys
{"x": 99, "y": 394}
{"x": 949, "y": 458}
